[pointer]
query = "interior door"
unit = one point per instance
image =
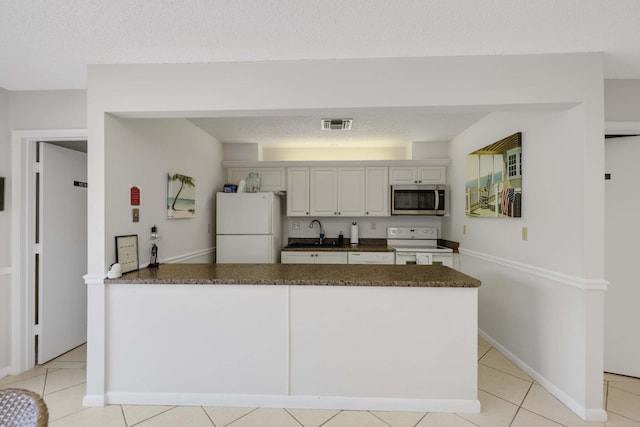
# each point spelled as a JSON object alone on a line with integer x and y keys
{"x": 621, "y": 314}
{"x": 62, "y": 293}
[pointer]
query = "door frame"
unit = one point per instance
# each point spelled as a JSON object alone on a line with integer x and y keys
{"x": 23, "y": 155}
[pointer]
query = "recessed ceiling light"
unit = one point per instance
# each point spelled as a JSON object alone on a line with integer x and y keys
{"x": 336, "y": 124}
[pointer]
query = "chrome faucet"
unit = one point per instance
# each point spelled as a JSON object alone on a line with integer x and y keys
{"x": 321, "y": 238}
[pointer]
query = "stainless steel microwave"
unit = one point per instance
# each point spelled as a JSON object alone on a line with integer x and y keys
{"x": 419, "y": 200}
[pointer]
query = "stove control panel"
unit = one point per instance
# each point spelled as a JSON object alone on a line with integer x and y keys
{"x": 417, "y": 233}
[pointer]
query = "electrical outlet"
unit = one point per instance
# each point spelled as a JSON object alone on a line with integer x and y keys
{"x": 295, "y": 226}
{"x": 135, "y": 214}
{"x": 525, "y": 233}
{"x": 373, "y": 225}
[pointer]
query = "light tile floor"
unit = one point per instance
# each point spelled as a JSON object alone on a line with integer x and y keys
{"x": 509, "y": 397}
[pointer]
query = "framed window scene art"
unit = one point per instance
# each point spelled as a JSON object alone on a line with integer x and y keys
{"x": 494, "y": 180}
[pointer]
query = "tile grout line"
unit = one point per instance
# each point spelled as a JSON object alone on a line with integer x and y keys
{"x": 379, "y": 418}
{"x": 294, "y": 417}
{"x": 146, "y": 419}
{"x": 508, "y": 373}
{"x": 335, "y": 415}
{"x": 206, "y": 414}
{"x": 242, "y": 416}
{"x": 421, "y": 418}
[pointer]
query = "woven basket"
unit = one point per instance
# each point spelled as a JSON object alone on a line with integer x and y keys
{"x": 22, "y": 408}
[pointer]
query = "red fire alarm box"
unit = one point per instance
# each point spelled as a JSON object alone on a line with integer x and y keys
{"x": 134, "y": 195}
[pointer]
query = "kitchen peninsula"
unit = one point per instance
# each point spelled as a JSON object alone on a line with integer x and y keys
{"x": 379, "y": 337}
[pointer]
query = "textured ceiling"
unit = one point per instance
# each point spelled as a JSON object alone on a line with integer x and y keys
{"x": 47, "y": 44}
{"x": 389, "y": 128}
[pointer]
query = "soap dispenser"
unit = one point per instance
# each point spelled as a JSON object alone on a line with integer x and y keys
{"x": 340, "y": 239}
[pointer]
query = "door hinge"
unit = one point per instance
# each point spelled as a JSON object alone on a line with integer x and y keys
{"x": 36, "y": 329}
{"x": 36, "y": 167}
{"x": 36, "y": 248}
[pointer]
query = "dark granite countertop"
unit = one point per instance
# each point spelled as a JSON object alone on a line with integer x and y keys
{"x": 331, "y": 244}
{"x": 301, "y": 274}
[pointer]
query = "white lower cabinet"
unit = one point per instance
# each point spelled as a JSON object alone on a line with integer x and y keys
{"x": 309, "y": 257}
{"x": 372, "y": 258}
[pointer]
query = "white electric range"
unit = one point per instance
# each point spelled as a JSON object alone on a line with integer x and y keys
{"x": 418, "y": 245}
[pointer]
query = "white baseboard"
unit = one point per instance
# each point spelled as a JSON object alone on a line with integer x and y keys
{"x": 302, "y": 402}
{"x": 94, "y": 400}
{"x": 188, "y": 256}
{"x": 581, "y": 411}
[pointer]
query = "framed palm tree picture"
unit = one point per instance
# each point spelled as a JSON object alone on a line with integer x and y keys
{"x": 181, "y": 196}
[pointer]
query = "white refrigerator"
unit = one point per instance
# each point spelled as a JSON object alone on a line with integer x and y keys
{"x": 248, "y": 228}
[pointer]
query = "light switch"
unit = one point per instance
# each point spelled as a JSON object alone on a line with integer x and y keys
{"x": 464, "y": 229}
{"x": 525, "y": 233}
{"x": 135, "y": 212}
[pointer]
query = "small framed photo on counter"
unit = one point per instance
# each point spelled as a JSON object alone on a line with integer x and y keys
{"x": 127, "y": 252}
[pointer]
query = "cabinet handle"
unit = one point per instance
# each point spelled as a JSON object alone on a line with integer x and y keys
{"x": 335, "y": 213}
{"x": 367, "y": 213}
{"x": 339, "y": 213}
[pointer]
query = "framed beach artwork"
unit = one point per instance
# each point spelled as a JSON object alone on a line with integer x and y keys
{"x": 494, "y": 179}
{"x": 181, "y": 196}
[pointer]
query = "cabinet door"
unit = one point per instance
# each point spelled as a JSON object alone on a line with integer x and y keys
{"x": 351, "y": 191}
{"x": 331, "y": 258}
{"x": 297, "y": 257}
{"x": 323, "y": 191}
{"x": 431, "y": 175}
{"x": 377, "y": 191}
{"x": 272, "y": 179}
{"x": 402, "y": 175}
{"x": 298, "y": 192}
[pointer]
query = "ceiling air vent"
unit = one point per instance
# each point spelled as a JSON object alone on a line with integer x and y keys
{"x": 336, "y": 124}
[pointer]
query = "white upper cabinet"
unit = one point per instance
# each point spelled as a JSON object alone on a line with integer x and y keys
{"x": 351, "y": 191}
{"x": 271, "y": 179}
{"x": 417, "y": 175}
{"x": 297, "y": 191}
{"x": 377, "y": 191}
{"x": 337, "y": 191}
{"x": 324, "y": 191}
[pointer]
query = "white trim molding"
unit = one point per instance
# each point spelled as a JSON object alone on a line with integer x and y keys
{"x": 576, "y": 282}
{"x": 289, "y": 401}
{"x": 22, "y": 208}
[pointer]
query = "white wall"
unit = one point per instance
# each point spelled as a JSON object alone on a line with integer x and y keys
{"x": 247, "y": 151}
{"x": 142, "y": 152}
{"x": 5, "y": 242}
{"x": 49, "y": 109}
{"x": 334, "y": 153}
{"x": 502, "y": 83}
{"x": 534, "y": 301}
{"x": 621, "y": 100}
